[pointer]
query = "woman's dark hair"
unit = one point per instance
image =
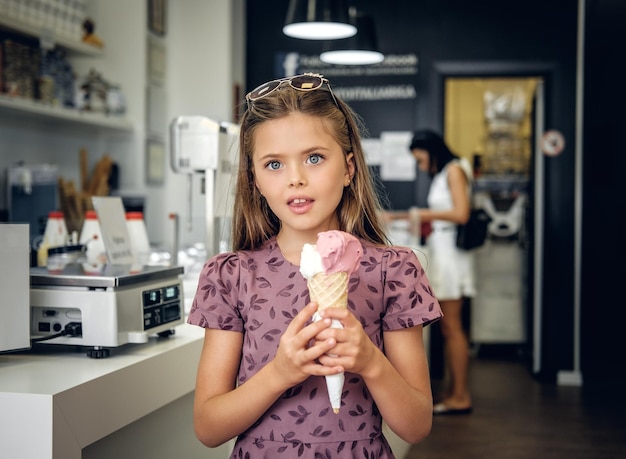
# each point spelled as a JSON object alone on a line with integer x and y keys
{"x": 438, "y": 152}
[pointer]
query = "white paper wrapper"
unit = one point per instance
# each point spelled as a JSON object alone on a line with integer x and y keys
{"x": 334, "y": 383}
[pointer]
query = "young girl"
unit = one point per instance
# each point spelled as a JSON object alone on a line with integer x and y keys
{"x": 261, "y": 373}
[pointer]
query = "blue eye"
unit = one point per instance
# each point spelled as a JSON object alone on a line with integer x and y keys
{"x": 273, "y": 165}
{"x": 315, "y": 159}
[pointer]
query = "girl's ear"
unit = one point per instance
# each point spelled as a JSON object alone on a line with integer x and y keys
{"x": 256, "y": 184}
{"x": 349, "y": 175}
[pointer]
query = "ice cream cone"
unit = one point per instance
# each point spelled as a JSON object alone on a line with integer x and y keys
{"x": 327, "y": 267}
{"x": 329, "y": 290}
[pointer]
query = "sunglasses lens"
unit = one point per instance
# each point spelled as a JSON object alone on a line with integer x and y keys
{"x": 264, "y": 89}
{"x": 306, "y": 82}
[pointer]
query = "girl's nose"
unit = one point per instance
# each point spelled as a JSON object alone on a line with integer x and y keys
{"x": 297, "y": 178}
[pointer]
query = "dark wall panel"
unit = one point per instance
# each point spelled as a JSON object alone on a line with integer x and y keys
{"x": 604, "y": 166}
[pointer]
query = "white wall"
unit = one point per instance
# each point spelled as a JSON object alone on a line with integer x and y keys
{"x": 122, "y": 25}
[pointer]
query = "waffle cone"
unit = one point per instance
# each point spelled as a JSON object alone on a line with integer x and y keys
{"x": 329, "y": 290}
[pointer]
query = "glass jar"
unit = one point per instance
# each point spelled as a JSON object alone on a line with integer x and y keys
{"x": 60, "y": 257}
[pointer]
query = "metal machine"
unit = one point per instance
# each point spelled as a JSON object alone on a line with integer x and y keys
{"x": 203, "y": 146}
{"x": 108, "y": 309}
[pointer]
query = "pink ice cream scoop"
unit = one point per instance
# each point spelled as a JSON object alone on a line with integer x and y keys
{"x": 340, "y": 251}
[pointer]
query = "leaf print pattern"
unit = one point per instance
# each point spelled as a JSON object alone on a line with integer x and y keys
{"x": 258, "y": 293}
{"x": 300, "y": 415}
{"x": 285, "y": 291}
{"x": 263, "y": 282}
{"x": 320, "y": 432}
{"x": 271, "y": 335}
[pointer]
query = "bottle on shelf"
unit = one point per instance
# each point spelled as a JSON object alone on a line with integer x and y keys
{"x": 138, "y": 236}
{"x": 91, "y": 237}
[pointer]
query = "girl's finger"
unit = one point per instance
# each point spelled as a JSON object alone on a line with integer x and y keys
{"x": 340, "y": 314}
{"x": 300, "y": 320}
{"x": 302, "y": 333}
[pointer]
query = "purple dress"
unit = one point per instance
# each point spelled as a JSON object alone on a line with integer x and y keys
{"x": 258, "y": 293}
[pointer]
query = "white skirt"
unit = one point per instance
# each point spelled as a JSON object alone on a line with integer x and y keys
{"x": 451, "y": 271}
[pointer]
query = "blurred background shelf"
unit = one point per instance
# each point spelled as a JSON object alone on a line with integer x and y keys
{"x": 25, "y": 28}
{"x": 12, "y": 107}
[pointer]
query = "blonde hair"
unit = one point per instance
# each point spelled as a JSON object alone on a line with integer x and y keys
{"x": 359, "y": 212}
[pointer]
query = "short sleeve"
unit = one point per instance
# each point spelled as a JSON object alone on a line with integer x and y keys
{"x": 215, "y": 303}
{"x": 408, "y": 298}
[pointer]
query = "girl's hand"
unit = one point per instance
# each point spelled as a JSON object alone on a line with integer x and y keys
{"x": 298, "y": 351}
{"x": 353, "y": 350}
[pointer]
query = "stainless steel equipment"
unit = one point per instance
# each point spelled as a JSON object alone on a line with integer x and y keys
{"x": 109, "y": 309}
{"x": 203, "y": 146}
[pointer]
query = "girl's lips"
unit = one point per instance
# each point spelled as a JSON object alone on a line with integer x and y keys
{"x": 300, "y": 205}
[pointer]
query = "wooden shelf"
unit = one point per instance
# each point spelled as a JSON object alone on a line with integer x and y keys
{"x": 24, "y": 28}
{"x": 18, "y": 106}
{"x": 21, "y": 109}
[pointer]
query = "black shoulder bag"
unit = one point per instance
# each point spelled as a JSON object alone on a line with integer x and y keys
{"x": 473, "y": 233}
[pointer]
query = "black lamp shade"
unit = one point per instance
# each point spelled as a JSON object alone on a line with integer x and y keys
{"x": 318, "y": 20}
{"x": 360, "y": 49}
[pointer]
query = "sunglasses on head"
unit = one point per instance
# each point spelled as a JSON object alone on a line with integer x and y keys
{"x": 305, "y": 82}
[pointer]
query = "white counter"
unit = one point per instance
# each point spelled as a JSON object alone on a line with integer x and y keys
{"x": 55, "y": 402}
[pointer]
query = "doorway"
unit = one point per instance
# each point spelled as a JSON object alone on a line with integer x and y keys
{"x": 491, "y": 121}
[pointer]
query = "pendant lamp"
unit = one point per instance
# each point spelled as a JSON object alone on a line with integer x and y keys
{"x": 360, "y": 49}
{"x": 318, "y": 20}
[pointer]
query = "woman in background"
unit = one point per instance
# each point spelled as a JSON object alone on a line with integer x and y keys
{"x": 450, "y": 270}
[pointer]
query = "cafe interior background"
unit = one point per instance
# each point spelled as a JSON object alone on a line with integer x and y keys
{"x": 494, "y": 80}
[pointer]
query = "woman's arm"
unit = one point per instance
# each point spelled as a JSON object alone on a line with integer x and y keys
{"x": 223, "y": 410}
{"x": 460, "y": 211}
{"x": 391, "y": 215}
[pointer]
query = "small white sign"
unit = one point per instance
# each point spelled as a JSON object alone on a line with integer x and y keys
{"x": 398, "y": 164}
{"x": 371, "y": 149}
{"x": 112, "y": 219}
{"x": 552, "y": 143}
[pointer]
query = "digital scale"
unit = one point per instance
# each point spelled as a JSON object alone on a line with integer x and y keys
{"x": 116, "y": 306}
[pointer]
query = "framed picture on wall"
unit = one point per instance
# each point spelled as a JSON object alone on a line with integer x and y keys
{"x": 156, "y": 60}
{"x": 155, "y": 162}
{"x": 156, "y": 109}
{"x": 156, "y": 16}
